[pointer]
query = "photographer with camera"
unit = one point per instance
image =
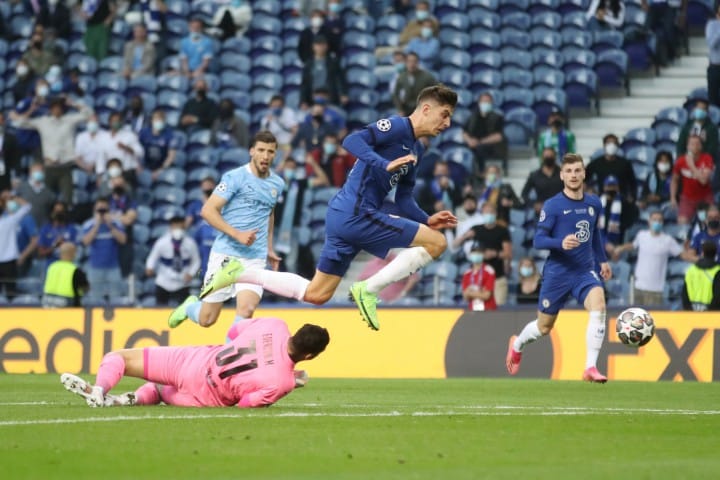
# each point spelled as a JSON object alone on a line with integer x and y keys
{"x": 103, "y": 236}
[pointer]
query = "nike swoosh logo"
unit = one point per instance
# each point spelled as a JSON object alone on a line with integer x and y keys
{"x": 565, "y": 212}
{"x": 405, "y": 148}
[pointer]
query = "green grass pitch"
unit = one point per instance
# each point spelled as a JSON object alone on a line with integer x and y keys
{"x": 372, "y": 429}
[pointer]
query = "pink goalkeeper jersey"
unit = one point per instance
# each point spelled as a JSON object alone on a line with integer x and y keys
{"x": 254, "y": 369}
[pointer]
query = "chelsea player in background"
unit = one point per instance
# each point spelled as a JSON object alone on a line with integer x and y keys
{"x": 568, "y": 228}
{"x": 387, "y": 153}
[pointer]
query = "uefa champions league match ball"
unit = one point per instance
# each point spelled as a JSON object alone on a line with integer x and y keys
{"x": 635, "y": 327}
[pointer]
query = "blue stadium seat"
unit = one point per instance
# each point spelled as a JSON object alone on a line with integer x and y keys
{"x": 543, "y": 37}
{"x": 170, "y": 63}
{"x": 177, "y": 9}
{"x": 360, "y": 77}
{"x": 232, "y": 158}
{"x": 459, "y": 156}
{"x": 168, "y": 195}
{"x": 520, "y": 126}
{"x": 445, "y": 7}
{"x": 110, "y": 83}
{"x": 235, "y": 80}
{"x": 21, "y": 27}
{"x": 611, "y": 68}
{"x": 110, "y": 102}
{"x": 267, "y": 63}
{"x": 363, "y": 60}
{"x": 547, "y": 18}
{"x": 455, "y": 77}
{"x": 479, "y": 17}
{"x": 112, "y": 64}
{"x": 581, "y": 88}
{"x": 236, "y": 45}
{"x": 576, "y": 20}
{"x": 516, "y": 57}
{"x": 141, "y": 84}
{"x": 85, "y": 64}
{"x": 577, "y": 58}
{"x": 360, "y": 117}
{"x": 198, "y": 140}
{"x": 177, "y": 27}
{"x": 201, "y": 158}
{"x": 644, "y": 155}
{"x": 87, "y": 83}
{"x": 512, "y": 37}
{"x": 567, "y": 7}
{"x": 144, "y": 215}
{"x": 171, "y": 100}
{"x": 511, "y": 6}
{"x": 482, "y": 40}
{"x": 455, "y": 58}
{"x": 638, "y": 137}
{"x": 237, "y": 62}
{"x": 141, "y": 232}
{"x": 162, "y": 215}
{"x": 607, "y": 40}
{"x": 354, "y": 42}
{"x": 548, "y": 100}
{"x": 359, "y": 23}
{"x": 549, "y": 77}
{"x": 573, "y": 37}
{"x": 671, "y": 115}
{"x": 171, "y": 176}
{"x": 666, "y": 132}
{"x": 698, "y": 13}
{"x": 362, "y": 98}
{"x": 485, "y": 80}
{"x": 695, "y": 95}
{"x": 517, "y": 97}
{"x": 391, "y": 22}
{"x": 267, "y": 43}
{"x": 516, "y": 77}
{"x": 459, "y": 40}
{"x": 452, "y": 137}
{"x": 543, "y": 57}
{"x": 260, "y": 98}
{"x": 198, "y": 173}
{"x": 271, "y": 81}
{"x": 455, "y": 21}
{"x": 518, "y": 20}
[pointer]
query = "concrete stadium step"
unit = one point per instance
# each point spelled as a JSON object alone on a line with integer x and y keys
{"x": 666, "y": 87}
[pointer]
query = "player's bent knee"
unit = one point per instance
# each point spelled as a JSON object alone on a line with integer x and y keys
{"x": 437, "y": 245}
{"x": 244, "y": 311}
{"x": 545, "y": 329}
{"x": 208, "y": 320}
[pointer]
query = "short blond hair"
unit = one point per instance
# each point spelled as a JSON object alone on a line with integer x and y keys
{"x": 570, "y": 158}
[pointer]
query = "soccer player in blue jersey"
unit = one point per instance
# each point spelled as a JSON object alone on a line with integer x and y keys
{"x": 387, "y": 153}
{"x": 568, "y": 228}
{"x": 241, "y": 209}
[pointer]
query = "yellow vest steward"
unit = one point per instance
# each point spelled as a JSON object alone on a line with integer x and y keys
{"x": 699, "y": 284}
{"x": 59, "y": 279}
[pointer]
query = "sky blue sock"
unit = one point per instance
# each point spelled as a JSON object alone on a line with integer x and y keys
{"x": 238, "y": 319}
{"x": 193, "y": 311}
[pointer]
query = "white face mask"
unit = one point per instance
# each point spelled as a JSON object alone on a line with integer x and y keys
{"x": 22, "y": 70}
{"x": 158, "y": 125}
{"x": 92, "y": 126}
{"x": 663, "y": 167}
{"x": 611, "y": 149}
{"x": 177, "y": 233}
{"x": 316, "y": 22}
{"x": 114, "y": 171}
{"x": 43, "y": 91}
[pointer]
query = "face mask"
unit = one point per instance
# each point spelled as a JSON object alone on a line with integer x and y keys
{"x": 399, "y": 67}
{"x": 59, "y": 217}
{"x": 115, "y": 125}
{"x": 422, "y": 14}
{"x": 558, "y": 124}
{"x": 289, "y": 175}
{"x": 226, "y": 113}
{"x": 92, "y": 126}
{"x": 485, "y": 107}
{"x": 318, "y": 118}
{"x": 177, "y": 233}
{"x": 38, "y": 176}
{"x": 526, "y": 271}
{"x": 656, "y": 226}
{"x": 611, "y": 149}
{"x": 549, "y": 161}
{"x": 663, "y": 167}
{"x": 43, "y": 90}
{"x": 334, "y": 7}
{"x": 56, "y": 86}
{"x": 490, "y": 178}
{"x": 114, "y": 172}
{"x": 12, "y": 206}
{"x": 489, "y": 217}
{"x": 195, "y": 36}
{"x": 426, "y": 32}
{"x": 320, "y": 100}
{"x": 329, "y": 148}
{"x": 22, "y": 70}
{"x": 476, "y": 257}
{"x": 702, "y": 215}
{"x": 201, "y": 92}
{"x": 316, "y": 22}
{"x": 158, "y": 125}
{"x": 119, "y": 191}
{"x": 37, "y": 44}
{"x": 699, "y": 114}
{"x": 713, "y": 224}
{"x": 277, "y": 111}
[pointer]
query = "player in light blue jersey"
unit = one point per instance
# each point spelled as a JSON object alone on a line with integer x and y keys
{"x": 568, "y": 228}
{"x": 241, "y": 209}
{"x": 387, "y": 153}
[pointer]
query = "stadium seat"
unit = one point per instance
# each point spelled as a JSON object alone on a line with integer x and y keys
{"x": 362, "y": 59}
{"x": 354, "y": 42}
{"x": 640, "y": 54}
{"x": 236, "y": 45}
{"x": 235, "y": 81}
{"x": 512, "y": 37}
{"x": 171, "y": 100}
{"x": 85, "y": 64}
{"x": 198, "y": 139}
{"x": 265, "y": 26}
{"x": 573, "y": 37}
{"x": 110, "y": 102}
{"x": 271, "y": 81}
{"x": 112, "y": 64}
{"x": 198, "y": 173}
{"x": 177, "y": 9}
{"x": 548, "y": 100}
{"x": 171, "y": 176}
{"x": 698, "y": 13}
{"x": 543, "y": 57}
{"x": 455, "y": 77}
{"x": 581, "y": 88}
{"x": 695, "y": 95}
{"x": 391, "y": 22}
{"x": 445, "y": 7}
{"x": 168, "y": 195}
{"x": 543, "y": 37}
{"x": 485, "y": 79}
{"x": 459, "y": 157}
{"x": 548, "y": 77}
{"x": 645, "y": 155}
{"x": 516, "y": 57}
{"x": 21, "y": 27}
{"x": 666, "y": 133}
{"x": 482, "y": 40}
{"x": 232, "y": 158}
{"x": 479, "y": 17}
{"x": 202, "y": 158}
{"x": 360, "y": 77}
{"x": 514, "y": 97}
{"x": 577, "y": 58}
{"x": 144, "y": 215}
{"x": 267, "y": 63}
{"x": 671, "y": 115}
{"x": 611, "y": 68}
{"x": 638, "y": 137}
{"x": 573, "y": 6}
{"x": 515, "y": 77}
{"x": 457, "y": 21}
{"x": 266, "y": 43}
{"x": 604, "y": 40}
{"x": 235, "y": 62}
{"x": 141, "y": 233}
{"x": 360, "y": 23}
{"x": 544, "y": 12}
{"x": 362, "y": 98}
{"x": 458, "y": 40}
{"x": 453, "y": 57}
{"x": 518, "y": 20}
{"x": 512, "y": 6}
{"x": 141, "y": 84}
{"x": 110, "y": 83}
{"x": 520, "y": 126}
{"x": 360, "y": 117}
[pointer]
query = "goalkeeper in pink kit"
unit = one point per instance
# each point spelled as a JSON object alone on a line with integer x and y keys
{"x": 255, "y": 369}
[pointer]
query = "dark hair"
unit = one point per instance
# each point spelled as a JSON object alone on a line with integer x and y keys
{"x": 570, "y": 158}
{"x": 609, "y": 136}
{"x": 440, "y": 93}
{"x": 709, "y": 249}
{"x": 663, "y": 153}
{"x": 263, "y": 136}
{"x": 102, "y": 200}
{"x": 114, "y": 160}
{"x": 277, "y": 97}
{"x": 208, "y": 178}
{"x": 310, "y": 339}
{"x": 57, "y": 102}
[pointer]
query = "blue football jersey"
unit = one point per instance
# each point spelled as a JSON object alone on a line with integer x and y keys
{"x": 562, "y": 216}
{"x": 369, "y": 183}
{"x": 250, "y": 201}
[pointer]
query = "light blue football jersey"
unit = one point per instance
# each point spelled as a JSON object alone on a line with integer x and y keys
{"x": 250, "y": 201}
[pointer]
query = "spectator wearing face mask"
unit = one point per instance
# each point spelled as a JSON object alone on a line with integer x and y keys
{"x": 483, "y": 133}
{"x": 440, "y": 188}
{"x": 281, "y": 121}
{"x": 57, "y": 83}
{"x": 196, "y": 51}
{"x": 54, "y": 233}
{"x": 699, "y": 124}
{"x": 228, "y": 129}
{"x": 617, "y": 216}
{"x": 160, "y": 144}
{"x": 698, "y": 222}
{"x": 542, "y": 183}
{"x": 92, "y": 146}
{"x": 710, "y": 234}
{"x": 611, "y": 164}
{"x": 35, "y": 192}
{"x": 25, "y": 79}
{"x": 472, "y": 217}
{"x": 199, "y": 112}
{"x": 426, "y": 46}
{"x": 498, "y": 249}
{"x": 528, "y": 289}
{"x": 656, "y": 188}
{"x": 134, "y": 115}
{"x": 414, "y": 27}
{"x": 323, "y": 70}
{"x": 12, "y": 211}
{"x": 692, "y": 174}
{"x": 173, "y": 261}
{"x": 500, "y": 194}
{"x": 556, "y": 136}
{"x": 653, "y": 247}
{"x": 333, "y": 114}
{"x": 315, "y": 127}
{"x": 319, "y": 28}
{"x": 411, "y": 81}
{"x": 332, "y": 159}
{"x": 37, "y": 57}
{"x": 478, "y": 282}
{"x": 122, "y": 208}
{"x": 125, "y": 146}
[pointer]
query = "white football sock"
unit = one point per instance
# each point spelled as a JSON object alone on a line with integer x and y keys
{"x": 285, "y": 284}
{"x": 406, "y": 263}
{"x": 529, "y": 334}
{"x": 594, "y": 336}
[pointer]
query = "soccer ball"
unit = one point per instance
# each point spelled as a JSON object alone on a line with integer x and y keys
{"x": 635, "y": 327}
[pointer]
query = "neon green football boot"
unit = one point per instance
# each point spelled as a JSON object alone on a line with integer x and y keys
{"x": 366, "y": 303}
{"x": 222, "y": 278}
{"x": 179, "y": 315}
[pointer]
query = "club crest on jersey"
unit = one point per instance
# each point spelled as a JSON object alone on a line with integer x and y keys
{"x": 545, "y": 303}
{"x": 591, "y": 211}
{"x": 542, "y": 216}
{"x": 383, "y": 125}
{"x": 396, "y": 176}
{"x": 222, "y": 187}
{"x": 583, "y": 232}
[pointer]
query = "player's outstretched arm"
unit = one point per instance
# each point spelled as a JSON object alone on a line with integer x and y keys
{"x": 361, "y": 144}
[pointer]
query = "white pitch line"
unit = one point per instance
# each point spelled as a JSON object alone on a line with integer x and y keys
{"x": 492, "y": 411}
{"x": 9, "y": 404}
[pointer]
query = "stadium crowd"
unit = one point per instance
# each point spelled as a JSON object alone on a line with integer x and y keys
{"x": 118, "y": 118}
